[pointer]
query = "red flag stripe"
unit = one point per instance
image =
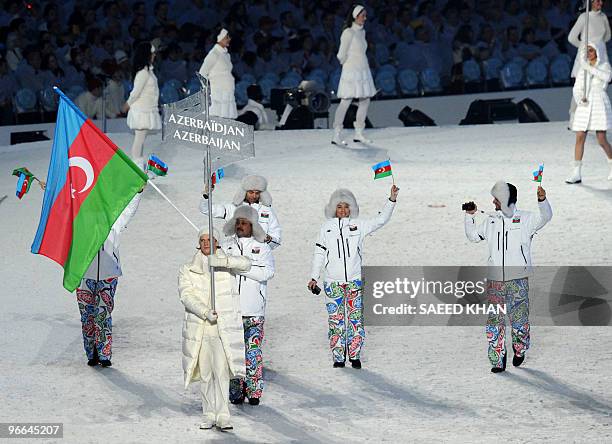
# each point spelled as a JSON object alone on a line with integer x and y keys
{"x": 383, "y": 169}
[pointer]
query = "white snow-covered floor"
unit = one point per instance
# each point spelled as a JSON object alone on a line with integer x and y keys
{"x": 418, "y": 384}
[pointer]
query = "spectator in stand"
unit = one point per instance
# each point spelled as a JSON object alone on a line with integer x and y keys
{"x": 527, "y": 48}
{"x": 511, "y": 45}
{"x": 542, "y": 31}
{"x": 90, "y": 101}
{"x": 8, "y": 85}
{"x": 174, "y": 65}
{"x": 29, "y": 72}
{"x": 123, "y": 64}
{"x": 53, "y": 74}
{"x": 14, "y": 53}
{"x": 488, "y": 45}
{"x": 75, "y": 73}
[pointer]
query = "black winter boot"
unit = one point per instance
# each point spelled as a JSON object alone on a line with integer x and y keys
{"x": 502, "y": 368}
{"x": 254, "y": 401}
{"x": 339, "y": 364}
{"x": 105, "y": 363}
{"x": 517, "y": 360}
{"x": 355, "y": 363}
{"x": 93, "y": 361}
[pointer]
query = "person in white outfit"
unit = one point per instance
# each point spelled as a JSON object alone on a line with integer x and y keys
{"x": 508, "y": 234}
{"x": 253, "y": 192}
{"x": 213, "y": 344}
{"x": 339, "y": 250}
{"x": 246, "y": 238}
{"x": 142, "y": 104}
{"x": 217, "y": 68}
{"x": 599, "y": 31}
{"x": 594, "y": 112}
{"x": 356, "y": 79}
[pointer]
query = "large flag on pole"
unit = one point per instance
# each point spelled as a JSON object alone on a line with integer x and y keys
{"x": 89, "y": 183}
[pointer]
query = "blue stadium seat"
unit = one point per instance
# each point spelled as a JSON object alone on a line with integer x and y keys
{"x": 537, "y": 73}
{"x": 168, "y": 94}
{"x": 319, "y": 76}
{"x": 560, "y": 71}
{"x": 291, "y": 80}
{"x": 430, "y": 80}
{"x": 492, "y": 67}
{"x": 471, "y": 71}
{"x": 270, "y": 76}
{"x": 522, "y": 62}
{"x": 193, "y": 86}
{"x": 48, "y": 99}
{"x": 266, "y": 85}
{"x": 333, "y": 81}
{"x": 385, "y": 82}
{"x": 174, "y": 83}
{"x": 25, "y": 100}
{"x": 382, "y": 54}
{"x": 512, "y": 76}
{"x": 408, "y": 81}
{"x": 241, "y": 92}
{"x": 387, "y": 68}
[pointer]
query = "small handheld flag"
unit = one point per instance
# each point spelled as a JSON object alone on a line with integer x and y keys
{"x": 25, "y": 178}
{"x": 537, "y": 174}
{"x": 382, "y": 169}
{"x": 217, "y": 176}
{"x": 157, "y": 166}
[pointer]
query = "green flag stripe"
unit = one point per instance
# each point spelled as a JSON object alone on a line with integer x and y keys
{"x": 383, "y": 174}
{"x": 117, "y": 184}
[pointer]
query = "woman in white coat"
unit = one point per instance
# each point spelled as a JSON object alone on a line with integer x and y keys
{"x": 593, "y": 113}
{"x": 599, "y": 31}
{"x": 142, "y": 104}
{"x": 213, "y": 344}
{"x": 217, "y": 68}
{"x": 356, "y": 79}
{"x": 339, "y": 250}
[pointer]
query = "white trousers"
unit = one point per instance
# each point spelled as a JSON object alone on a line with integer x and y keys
{"x": 138, "y": 144}
{"x": 362, "y": 112}
{"x": 214, "y": 371}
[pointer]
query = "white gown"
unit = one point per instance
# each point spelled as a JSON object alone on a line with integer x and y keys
{"x": 217, "y": 67}
{"x": 356, "y": 78}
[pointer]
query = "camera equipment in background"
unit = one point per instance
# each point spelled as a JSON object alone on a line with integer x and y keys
{"x": 297, "y": 108}
{"x": 351, "y": 116}
{"x": 498, "y": 110}
{"x": 414, "y": 117}
{"x": 468, "y": 206}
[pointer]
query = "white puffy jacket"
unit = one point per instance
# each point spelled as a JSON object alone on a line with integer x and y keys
{"x": 509, "y": 239}
{"x": 339, "y": 248}
{"x": 252, "y": 284}
{"x": 194, "y": 292}
{"x": 267, "y": 218}
{"x": 106, "y": 263}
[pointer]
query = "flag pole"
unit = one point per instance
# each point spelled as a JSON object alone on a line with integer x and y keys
{"x": 392, "y": 176}
{"x": 174, "y": 206}
{"x": 586, "y": 48}
{"x": 208, "y": 173}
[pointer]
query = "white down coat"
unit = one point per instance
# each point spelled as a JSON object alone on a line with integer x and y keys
{"x": 107, "y": 263}
{"x": 217, "y": 68}
{"x": 194, "y": 292}
{"x": 356, "y": 78}
{"x": 339, "y": 248}
{"x": 599, "y": 31}
{"x": 143, "y": 113}
{"x": 509, "y": 239}
{"x": 596, "y": 114}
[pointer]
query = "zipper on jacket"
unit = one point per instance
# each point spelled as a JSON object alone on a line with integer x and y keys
{"x": 506, "y": 240}
{"x": 338, "y": 242}
{"x": 348, "y": 249}
{"x": 503, "y": 252}
{"x": 523, "y": 253}
{"x": 343, "y": 252}
{"x": 498, "y": 241}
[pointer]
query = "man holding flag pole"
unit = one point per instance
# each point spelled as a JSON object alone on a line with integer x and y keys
{"x": 508, "y": 233}
{"x": 90, "y": 196}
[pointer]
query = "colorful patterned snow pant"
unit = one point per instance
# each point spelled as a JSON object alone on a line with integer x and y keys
{"x": 96, "y": 301}
{"x": 515, "y": 295}
{"x": 344, "y": 301}
{"x": 253, "y": 384}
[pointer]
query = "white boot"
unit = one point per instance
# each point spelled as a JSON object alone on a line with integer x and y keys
{"x": 208, "y": 422}
{"x": 338, "y": 140}
{"x": 576, "y": 176}
{"x": 223, "y": 423}
{"x": 359, "y": 137}
{"x": 610, "y": 163}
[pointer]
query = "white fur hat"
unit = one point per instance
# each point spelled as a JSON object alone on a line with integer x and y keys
{"x": 250, "y": 214}
{"x": 341, "y": 195}
{"x": 258, "y": 183}
{"x": 204, "y": 230}
{"x": 506, "y": 194}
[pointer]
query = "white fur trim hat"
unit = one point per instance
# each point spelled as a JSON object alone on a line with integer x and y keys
{"x": 222, "y": 34}
{"x": 341, "y": 195}
{"x": 258, "y": 183}
{"x": 250, "y": 214}
{"x": 506, "y": 194}
{"x": 204, "y": 230}
{"x": 357, "y": 10}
